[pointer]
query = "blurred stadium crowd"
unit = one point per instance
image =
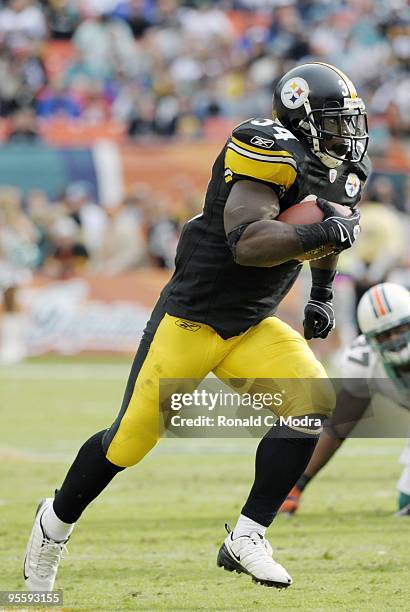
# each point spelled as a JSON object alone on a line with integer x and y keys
{"x": 74, "y": 234}
{"x": 166, "y": 69}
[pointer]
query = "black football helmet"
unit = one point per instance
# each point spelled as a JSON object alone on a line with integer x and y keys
{"x": 320, "y": 105}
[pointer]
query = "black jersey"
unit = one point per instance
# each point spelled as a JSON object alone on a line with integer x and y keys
{"x": 208, "y": 286}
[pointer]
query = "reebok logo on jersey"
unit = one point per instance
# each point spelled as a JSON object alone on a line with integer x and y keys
{"x": 188, "y": 325}
{"x": 264, "y": 143}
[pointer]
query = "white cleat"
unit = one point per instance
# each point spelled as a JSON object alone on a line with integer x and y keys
{"x": 252, "y": 555}
{"x": 43, "y": 555}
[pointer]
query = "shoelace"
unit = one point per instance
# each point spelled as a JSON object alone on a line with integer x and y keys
{"x": 261, "y": 542}
{"x": 256, "y": 546}
{"x": 256, "y": 542}
{"x": 49, "y": 557}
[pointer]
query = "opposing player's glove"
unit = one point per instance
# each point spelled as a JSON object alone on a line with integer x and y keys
{"x": 319, "y": 319}
{"x": 319, "y": 315}
{"x": 335, "y": 230}
{"x": 341, "y": 231}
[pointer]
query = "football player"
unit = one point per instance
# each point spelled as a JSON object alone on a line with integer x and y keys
{"x": 234, "y": 264}
{"x": 378, "y": 361}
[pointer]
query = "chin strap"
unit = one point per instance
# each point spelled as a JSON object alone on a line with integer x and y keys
{"x": 327, "y": 160}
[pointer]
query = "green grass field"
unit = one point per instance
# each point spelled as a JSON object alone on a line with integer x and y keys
{"x": 150, "y": 541}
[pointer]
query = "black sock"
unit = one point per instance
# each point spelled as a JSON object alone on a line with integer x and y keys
{"x": 280, "y": 460}
{"x": 303, "y": 482}
{"x": 90, "y": 473}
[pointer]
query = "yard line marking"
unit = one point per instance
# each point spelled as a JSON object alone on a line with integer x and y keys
{"x": 27, "y": 455}
{"x": 61, "y": 371}
{"x": 68, "y": 371}
{"x": 22, "y": 455}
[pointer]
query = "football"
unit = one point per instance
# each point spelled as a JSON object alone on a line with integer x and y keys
{"x": 306, "y": 213}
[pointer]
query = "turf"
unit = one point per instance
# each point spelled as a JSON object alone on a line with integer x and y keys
{"x": 150, "y": 541}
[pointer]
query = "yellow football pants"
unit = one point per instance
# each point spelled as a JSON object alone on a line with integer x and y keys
{"x": 183, "y": 349}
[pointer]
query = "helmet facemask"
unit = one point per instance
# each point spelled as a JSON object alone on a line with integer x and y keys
{"x": 393, "y": 344}
{"x": 337, "y": 134}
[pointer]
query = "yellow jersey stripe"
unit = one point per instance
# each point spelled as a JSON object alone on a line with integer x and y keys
{"x": 262, "y": 156}
{"x": 249, "y": 147}
{"x": 280, "y": 172}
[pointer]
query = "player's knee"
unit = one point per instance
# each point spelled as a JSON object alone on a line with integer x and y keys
{"x": 131, "y": 456}
{"x": 322, "y": 397}
{"x": 327, "y": 401}
{"x": 129, "y": 452}
{"x": 323, "y": 409}
{"x": 309, "y": 397}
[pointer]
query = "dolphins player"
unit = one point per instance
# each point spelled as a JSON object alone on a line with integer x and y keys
{"x": 378, "y": 361}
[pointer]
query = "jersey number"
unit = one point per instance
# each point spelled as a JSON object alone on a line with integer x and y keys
{"x": 362, "y": 359}
{"x": 280, "y": 132}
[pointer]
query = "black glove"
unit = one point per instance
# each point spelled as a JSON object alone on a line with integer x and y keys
{"x": 319, "y": 319}
{"x": 334, "y": 230}
{"x": 341, "y": 231}
{"x": 319, "y": 316}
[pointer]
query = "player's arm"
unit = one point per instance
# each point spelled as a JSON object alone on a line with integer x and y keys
{"x": 352, "y": 402}
{"x": 254, "y": 236}
{"x": 348, "y": 412}
{"x": 257, "y": 169}
{"x": 257, "y": 239}
{"x": 319, "y": 314}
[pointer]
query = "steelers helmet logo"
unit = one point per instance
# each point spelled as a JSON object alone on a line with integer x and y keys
{"x": 352, "y": 185}
{"x": 294, "y": 92}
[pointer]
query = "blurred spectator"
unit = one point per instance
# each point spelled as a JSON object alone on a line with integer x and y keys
{"x": 95, "y": 106}
{"x": 22, "y": 77}
{"x": 189, "y": 199}
{"x": 382, "y": 190}
{"x": 162, "y": 232}
{"x": 123, "y": 247}
{"x": 58, "y": 100}
{"x": 18, "y": 255}
{"x": 43, "y": 215}
{"x": 21, "y": 21}
{"x": 24, "y": 128}
{"x": 62, "y": 18}
{"x": 380, "y": 248}
{"x": 207, "y": 21}
{"x": 105, "y": 43}
{"x": 68, "y": 255}
{"x": 134, "y": 13}
{"x": 10, "y": 84}
{"x": 29, "y": 64}
{"x": 90, "y": 218}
